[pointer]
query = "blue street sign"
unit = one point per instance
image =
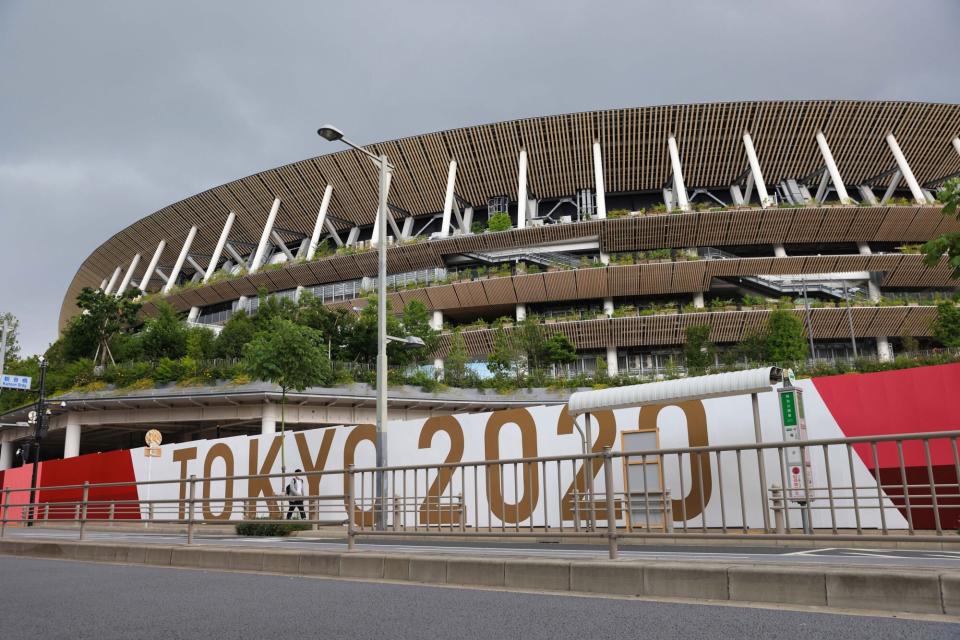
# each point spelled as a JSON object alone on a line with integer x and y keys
{"x": 15, "y": 382}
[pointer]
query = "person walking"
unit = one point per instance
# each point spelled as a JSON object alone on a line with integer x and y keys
{"x": 295, "y": 489}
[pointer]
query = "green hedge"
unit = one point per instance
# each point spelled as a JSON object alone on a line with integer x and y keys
{"x": 270, "y": 529}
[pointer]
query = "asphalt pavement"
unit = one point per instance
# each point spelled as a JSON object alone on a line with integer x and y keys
{"x": 75, "y": 600}
{"x": 840, "y": 555}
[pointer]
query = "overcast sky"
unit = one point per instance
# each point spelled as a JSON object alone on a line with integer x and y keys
{"x": 112, "y": 110}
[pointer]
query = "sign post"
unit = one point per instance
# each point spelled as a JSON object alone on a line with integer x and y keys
{"x": 799, "y": 472}
{"x": 153, "y": 438}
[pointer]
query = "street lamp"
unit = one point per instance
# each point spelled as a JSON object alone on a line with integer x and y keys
{"x": 332, "y": 134}
{"x": 39, "y": 418}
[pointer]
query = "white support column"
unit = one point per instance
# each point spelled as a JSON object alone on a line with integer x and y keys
{"x": 755, "y": 170}
{"x": 522, "y": 189}
{"x": 145, "y": 281}
{"x": 613, "y": 367}
{"x": 448, "y": 199}
{"x": 872, "y": 288}
{"x": 883, "y": 349}
{"x": 436, "y": 323}
{"x": 71, "y": 438}
{"x": 956, "y": 143}
{"x": 113, "y": 280}
{"x": 264, "y": 237}
{"x": 375, "y": 238}
{"x": 779, "y": 251}
{"x": 103, "y": 285}
{"x": 128, "y": 275}
{"x": 892, "y": 187}
{"x": 521, "y": 312}
{"x": 608, "y": 307}
{"x": 601, "y": 189}
{"x": 172, "y": 280}
{"x": 6, "y": 455}
{"x": 679, "y": 188}
{"x": 832, "y": 169}
{"x": 218, "y": 250}
{"x": 406, "y": 231}
{"x": 318, "y": 226}
{"x": 268, "y": 419}
{"x": 698, "y": 299}
{"x": 905, "y": 169}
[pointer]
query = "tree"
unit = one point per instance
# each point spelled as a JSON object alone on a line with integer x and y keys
{"x": 416, "y": 322}
{"x": 948, "y": 243}
{"x": 334, "y": 325}
{"x": 558, "y": 349}
{"x": 946, "y": 326}
{"x": 164, "y": 335}
{"x": 273, "y": 306}
{"x": 698, "y": 351}
{"x": 785, "y": 340}
{"x": 13, "y": 327}
{"x": 238, "y": 331}
{"x": 455, "y": 370}
{"x": 102, "y": 317}
{"x": 361, "y": 343}
{"x": 503, "y": 357}
{"x": 200, "y": 343}
{"x": 290, "y": 356}
{"x": 529, "y": 341}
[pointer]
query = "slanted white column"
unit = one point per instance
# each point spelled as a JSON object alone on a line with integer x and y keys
{"x": 832, "y": 169}
{"x": 128, "y": 275}
{"x": 448, "y": 199}
{"x": 521, "y": 312}
{"x": 113, "y": 280}
{"x": 180, "y": 260}
{"x": 152, "y": 266}
{"x": 755, "y": 171}
{"x": 71, "y": 438}
{"x": 103, "y": 285}
{"x": 268, "y": 419}
{"x": 779, "y": 251}
{"x": 905, "y": 170}
{"x": 601, "y": 189}
{"x": 956, "y": 144}
{"x": 375, "y": 238}
{"x": 884, "y": 353}
{"x": 679, "y": 188}
{"x": 522, "y": 189}
{"x": 613, "y": 367}
{"x": 6, "y": 455}
{"x": 264, "y": 237}
{"x": 321, "y": 218}
{"x": 218, "y": 250}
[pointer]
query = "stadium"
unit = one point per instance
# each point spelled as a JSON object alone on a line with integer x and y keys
{"x": 618, "y": 228}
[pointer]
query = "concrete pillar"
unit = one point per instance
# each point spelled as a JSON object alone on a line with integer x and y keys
{"x": 613, "y": 368}
{"x": 905, "y": 170}
{"x": 218, "y": 250}
{"x": 883, "y": 349}
{"x": 6, "y": 455}
{"x": 522, "y": 189}
{"x": 601, "y": 189}
{"x": 128, "y": 275}
{"x": 448, "y": 199}
{"x": 832, "y": 169}
{"x": 151, "y": 267}
{"x": 268, "y": 419}
{"x": 755, "y": 170}
{"x": 779, "y": 251}
{"x": 103, "y": 285}
{"x": 608, "y": 307}
{"x": 698, "y": 299}
{"x": 872, "y": 287}
{"x": 180, "y": 260}
{"x": 71, "y": 438}
{"x": 318, "y": 226}
{"x": 679, "y": 188}
{"x": 264, "y": 237}
{"x": 521, "y": 312}
{"x": 113, "y": 280}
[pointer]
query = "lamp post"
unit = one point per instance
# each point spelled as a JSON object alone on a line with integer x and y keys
{"x": 846, "y": 298}
{"x": 38, "y": 418}
{"x": 332, "y": 134}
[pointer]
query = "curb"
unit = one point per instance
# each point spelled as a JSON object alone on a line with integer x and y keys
{"x": 868, "y": 589}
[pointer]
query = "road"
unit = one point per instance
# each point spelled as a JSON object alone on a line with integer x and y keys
{"x": 726, "y": 553}
{"x": 60, "y": 599}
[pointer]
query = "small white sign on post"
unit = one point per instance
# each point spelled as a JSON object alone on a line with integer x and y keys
{"x": 8, "y": 381}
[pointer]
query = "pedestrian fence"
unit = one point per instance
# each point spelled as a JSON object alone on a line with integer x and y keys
{"x": 890, "y": 487}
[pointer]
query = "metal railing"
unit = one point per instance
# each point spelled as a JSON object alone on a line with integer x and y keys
{"x": 891, "y": 487}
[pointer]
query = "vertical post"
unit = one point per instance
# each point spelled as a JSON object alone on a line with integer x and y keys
{"x": 832, "y": 169}
{"x": 83, "y": 509}
{"x": 776, "y": 495}
{"x": 755, "y": 170}
{"x": 761, "y": 463}
{"x": 588, "y": 465}
{"x": 3, "y": 520}
{"x": 190, "y": 501}
{"x": 522, "y": 189}
{"x": 853, "y": 338}
{"x": 172, "y": 281}
{"x": 611, "y": 512}
{"x": 601, "y": 194}
{"x": 351, "y": 526}
{"x": 112, "y": 514}
{"x": 905, "y": 170}
{"x": 806, "y": 312}
{"x": 379, "y": 501}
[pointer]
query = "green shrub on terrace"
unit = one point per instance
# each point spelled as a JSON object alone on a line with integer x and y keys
{"x": 500, "y": 222}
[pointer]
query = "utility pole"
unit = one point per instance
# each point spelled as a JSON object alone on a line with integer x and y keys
{"x": 39, "y": 431}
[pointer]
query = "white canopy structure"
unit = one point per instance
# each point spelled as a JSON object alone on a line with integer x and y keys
{"x": 717, "y": 385}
